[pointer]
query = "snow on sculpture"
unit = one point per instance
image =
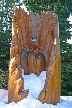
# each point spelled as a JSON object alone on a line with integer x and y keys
{"x": 35, "y": 47}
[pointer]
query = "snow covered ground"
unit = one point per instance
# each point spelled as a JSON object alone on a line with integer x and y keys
{"x": 35, "y": 85}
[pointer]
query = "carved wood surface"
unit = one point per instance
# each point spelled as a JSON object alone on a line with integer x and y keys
{"x": 35, "y": 47}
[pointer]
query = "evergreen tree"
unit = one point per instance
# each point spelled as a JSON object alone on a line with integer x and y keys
{"x": 63, "y": 9}
{"x": 6, "y": 11}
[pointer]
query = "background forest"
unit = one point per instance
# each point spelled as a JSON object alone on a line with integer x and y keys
{"x": 63, "y": 8}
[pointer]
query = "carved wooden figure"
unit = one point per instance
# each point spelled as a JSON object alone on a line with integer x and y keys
{"x": 35, "y": 47}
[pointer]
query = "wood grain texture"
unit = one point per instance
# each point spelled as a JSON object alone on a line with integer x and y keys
{"x": 35, "y": 47}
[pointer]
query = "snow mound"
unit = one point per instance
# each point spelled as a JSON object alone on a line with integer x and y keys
{"x": 3, "y": 96}
{"x": 35, "y": 84}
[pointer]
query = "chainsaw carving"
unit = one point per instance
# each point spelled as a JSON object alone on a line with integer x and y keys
{"x": 35, "y": 47}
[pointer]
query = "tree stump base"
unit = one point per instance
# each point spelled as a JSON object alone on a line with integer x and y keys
{"x": 35, "y": 47}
